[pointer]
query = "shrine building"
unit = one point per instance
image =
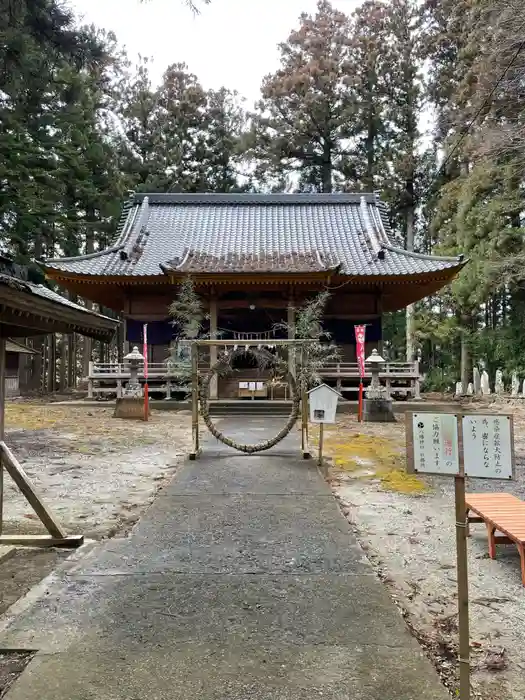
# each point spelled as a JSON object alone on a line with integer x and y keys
{"x": 254, "y": 258}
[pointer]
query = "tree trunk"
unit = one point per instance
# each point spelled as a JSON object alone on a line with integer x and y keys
{"x": 410, "y": 321}
{"x": 72, "y": 360}
{"x": 63, "y": 362}
{"x": 37, "y": 378}
{"x": 51, "y": 363}
{"x": 465, "y": 352}
{"x": 72, "y": 352}
{"x": 37, "y": 368}
{"x": 327, "y": 168}
{"x": 90, "y": 248}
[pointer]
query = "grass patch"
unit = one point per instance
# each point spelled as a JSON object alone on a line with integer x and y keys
{"x": 23, "y": 416}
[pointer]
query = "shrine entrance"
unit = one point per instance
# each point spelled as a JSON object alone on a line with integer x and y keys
{"x": 281, "y": 356}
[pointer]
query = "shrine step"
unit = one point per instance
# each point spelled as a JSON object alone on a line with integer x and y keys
{"x": 250, "y": 407}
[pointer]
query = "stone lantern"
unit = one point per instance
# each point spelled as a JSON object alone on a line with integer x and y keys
{"x": 131, "y": 404}
{"x": 133, "y": 360}
{"x": 378, "y": 403}
{"x": 375, "y": 363}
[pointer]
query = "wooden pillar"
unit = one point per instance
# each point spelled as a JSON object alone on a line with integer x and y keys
{"x": 123, "y": 345}
{"x": 2, "y": 424}
{"x": 214, "y": 383}
{"x": 125, "y": 315}
{"x": 290, "y": 321}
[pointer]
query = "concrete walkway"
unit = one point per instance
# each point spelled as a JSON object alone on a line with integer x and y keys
{"x": 242, "y": 581}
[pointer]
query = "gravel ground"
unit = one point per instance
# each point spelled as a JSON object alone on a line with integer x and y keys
{"x": 410, "y": 537}
{"x": 95, "y": 472}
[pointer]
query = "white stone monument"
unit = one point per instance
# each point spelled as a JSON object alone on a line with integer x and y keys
{"x": 459, "y": 389}
{"x": 515, "y": 385}
{"x": 477, "y": 381}
{"x": 485, "y": 384}
{"x": 470, "y": 389}
{"x": 499, "y": 387}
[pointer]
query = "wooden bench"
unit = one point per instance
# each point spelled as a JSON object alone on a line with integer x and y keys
{"x": 501, "y": 512}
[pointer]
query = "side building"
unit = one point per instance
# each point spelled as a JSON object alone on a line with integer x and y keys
{"x": 254, "y": 258}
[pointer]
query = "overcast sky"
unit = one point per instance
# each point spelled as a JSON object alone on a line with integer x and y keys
{"x": 231, "y": 43}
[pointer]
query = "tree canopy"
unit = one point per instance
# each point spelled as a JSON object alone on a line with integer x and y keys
{"x": 421, "y": 101}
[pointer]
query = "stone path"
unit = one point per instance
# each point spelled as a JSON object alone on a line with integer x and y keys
{"x": 242, "y": 582}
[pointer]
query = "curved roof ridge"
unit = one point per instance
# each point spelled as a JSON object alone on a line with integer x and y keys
{"x": 129, "y": 212}
{"x": 425, "y": 256}
{"x": 86, "y": 256}
{"x": 369, "y": 227}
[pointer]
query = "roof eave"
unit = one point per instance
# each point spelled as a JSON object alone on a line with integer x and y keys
{"x": 33, "y": 311}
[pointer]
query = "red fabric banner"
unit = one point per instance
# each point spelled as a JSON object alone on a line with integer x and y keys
{"x": 360, "y": 332}
{"x": 145, "y": 350}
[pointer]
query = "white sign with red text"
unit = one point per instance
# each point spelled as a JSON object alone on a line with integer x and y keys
{"x": 435, "y": 437}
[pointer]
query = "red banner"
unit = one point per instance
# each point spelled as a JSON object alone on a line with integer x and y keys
{"x": 360, "y": 332}
{"x": 145, "y": 350}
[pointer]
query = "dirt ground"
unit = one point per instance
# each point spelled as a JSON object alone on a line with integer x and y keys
{"x": 406, "y": 524}
{"x": 95, "y": 472}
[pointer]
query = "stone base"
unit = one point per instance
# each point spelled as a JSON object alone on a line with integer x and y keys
{"x": 378, "y": 411}
{"x": 130, "y": 407}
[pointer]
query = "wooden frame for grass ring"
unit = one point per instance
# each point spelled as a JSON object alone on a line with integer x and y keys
{"x": 195, "y": 344}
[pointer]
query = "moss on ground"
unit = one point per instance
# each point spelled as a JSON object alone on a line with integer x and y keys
{"x": 370, "y": 457}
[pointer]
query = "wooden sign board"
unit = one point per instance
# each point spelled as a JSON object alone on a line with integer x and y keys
{"x": 432, "y": 443}
{"x": 488, "y": 446}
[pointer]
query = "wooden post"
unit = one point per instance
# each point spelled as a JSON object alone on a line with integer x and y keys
{"x": 462, "y": 574}
{"x": 28, "y": 490}
{"x": 304, "y": 412}
{"x": 146, "y": 364}
{"x": 195, "y": 400}
{"x": 321, "y": 437}
{"x": 2, "y": 424}
{"x": 214, "y": 320}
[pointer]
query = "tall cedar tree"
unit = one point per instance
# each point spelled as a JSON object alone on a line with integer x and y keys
{"x": 179, "y": 137}
{"x": 479, "y": 208}
{"x": 304, "y": 118}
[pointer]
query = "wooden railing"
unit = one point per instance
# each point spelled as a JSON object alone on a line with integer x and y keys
{"x": 110, "y": 377}
{"x": 389, "y": 369}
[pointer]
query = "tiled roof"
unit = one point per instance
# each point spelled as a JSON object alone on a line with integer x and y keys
{"x": 216, "y": 233}
{"x": 40, "y": 291}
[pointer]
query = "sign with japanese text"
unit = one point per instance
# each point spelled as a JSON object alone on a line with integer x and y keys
{"x": 435, "y": 443}
{"x": 488, "y": 446}
{"x": 360, "y": 333}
